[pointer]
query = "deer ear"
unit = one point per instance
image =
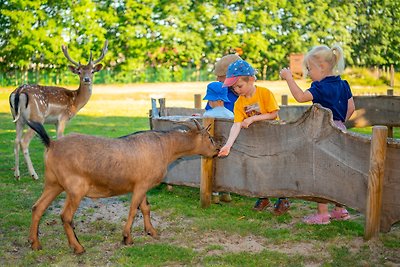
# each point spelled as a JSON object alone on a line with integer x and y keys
{"x": 98, "y": 67}
{"x": 73, "y": 69}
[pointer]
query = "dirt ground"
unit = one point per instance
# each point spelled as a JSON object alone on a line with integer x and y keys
{"x": 181, "y": 233}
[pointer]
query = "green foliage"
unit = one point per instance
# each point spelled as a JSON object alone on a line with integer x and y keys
{"x": 187, "y": 34}
{"x": 363, "y": 77}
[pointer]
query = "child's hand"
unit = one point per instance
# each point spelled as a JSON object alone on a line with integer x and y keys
{"x": 246, "y": 123}
{"x": 224, "y": 151}
{"x": 285, "y": 73}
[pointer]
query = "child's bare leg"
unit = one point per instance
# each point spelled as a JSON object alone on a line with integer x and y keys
{"x": 322, "y": 208}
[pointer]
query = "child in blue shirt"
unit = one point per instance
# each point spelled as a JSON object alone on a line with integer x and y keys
{"x": 324, "y": 65}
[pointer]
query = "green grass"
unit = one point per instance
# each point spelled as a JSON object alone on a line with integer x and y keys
{"x": 368, "y": 131}
{"x": 230, "y": 234}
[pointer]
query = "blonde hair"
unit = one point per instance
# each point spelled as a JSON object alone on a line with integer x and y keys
{"x": 333, "y": 56}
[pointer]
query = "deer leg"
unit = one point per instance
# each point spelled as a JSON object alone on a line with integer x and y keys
{"x": 49, "y": 194}
{"x": 148, "y": 227}
{"x": 60, "y": 127}
{"x": 25, "y": 149}
{"x": 71, "y": 205}
{"x": 137, "y": 198}
{"x": 17, "y": 143}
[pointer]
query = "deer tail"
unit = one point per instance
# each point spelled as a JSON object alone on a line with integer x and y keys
{"x": 39, "y": 129}
{"x": 16, "y": 106}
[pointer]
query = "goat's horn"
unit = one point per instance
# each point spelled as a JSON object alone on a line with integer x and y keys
{"x": 198, "y": 125}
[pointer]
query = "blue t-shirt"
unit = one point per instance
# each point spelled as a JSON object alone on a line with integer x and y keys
{"x": 219, "y": 112}
{"x": 332, "y": 92}
{"x": 229, "y": 105}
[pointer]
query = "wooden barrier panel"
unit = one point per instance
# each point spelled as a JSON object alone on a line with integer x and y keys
{"x": 309, "y": 158}
{"x": 375, "y": 110}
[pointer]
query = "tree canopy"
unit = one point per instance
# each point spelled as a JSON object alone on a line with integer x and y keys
{"x": 180, "y": 34}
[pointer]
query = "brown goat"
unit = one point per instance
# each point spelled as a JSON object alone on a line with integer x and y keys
{"x": 98, "y": 167}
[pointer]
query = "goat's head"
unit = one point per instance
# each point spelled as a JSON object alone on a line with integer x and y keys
{"x": 205, "y": 144}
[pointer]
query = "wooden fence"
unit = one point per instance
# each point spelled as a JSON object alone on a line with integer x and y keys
{"x": 304, "y": 156}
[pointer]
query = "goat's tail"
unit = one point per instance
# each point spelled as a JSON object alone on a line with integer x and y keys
{"x": 39, "y": 129}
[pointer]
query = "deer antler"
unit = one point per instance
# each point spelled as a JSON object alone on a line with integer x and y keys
{"x": 103, "y": 53}
{"x": 65, "y": 51}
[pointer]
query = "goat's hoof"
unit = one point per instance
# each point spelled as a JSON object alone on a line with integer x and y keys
{"x": 35, "y": 176}
{"x": 127, "y": 241}
{"x": 36, "y": 246}
{"x": 153, "y": 234}
{"x": 79, "y": 251}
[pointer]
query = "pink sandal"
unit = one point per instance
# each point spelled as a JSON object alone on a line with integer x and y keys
{"x": 340, "y": 215}
{"x": 317, "y": 219}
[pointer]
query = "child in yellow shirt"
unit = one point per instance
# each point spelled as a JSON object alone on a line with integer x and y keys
{"x": 254, "y": 103}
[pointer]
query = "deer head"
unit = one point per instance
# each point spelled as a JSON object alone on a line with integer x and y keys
{"x": 86, "y": 72}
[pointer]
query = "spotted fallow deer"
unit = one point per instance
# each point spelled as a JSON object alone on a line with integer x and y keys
{"x": 50, "y": 105}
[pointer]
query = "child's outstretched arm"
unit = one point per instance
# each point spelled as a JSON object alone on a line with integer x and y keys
{"x": 233, "y": 134}
{"x": 261, "y": 117}
{"x": 296, "y": 91}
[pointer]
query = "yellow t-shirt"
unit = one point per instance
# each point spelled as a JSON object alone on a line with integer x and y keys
{"x": 262, "y": 101}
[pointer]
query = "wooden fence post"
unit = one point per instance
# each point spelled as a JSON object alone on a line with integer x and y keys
{"x": 284, "y": 101}
{"x": 375, "y": 181}
{"x": 391, "y": 76}
{"x": 197, "y": 101}
{"x": 207, "y": 172}
{"x": 390, "y": 128}
{"x": 162, "y": 106}
{"x": 154, "y": 110}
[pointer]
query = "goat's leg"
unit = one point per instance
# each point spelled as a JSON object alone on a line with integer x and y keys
{"x": 148, "y": 227}
{"x": 48, "y": 195}
{"x": 19, "y": 128}
{"x": 137, "y": 198}
{"x": 25, "y": 149}
{"x": 71, "y": 205}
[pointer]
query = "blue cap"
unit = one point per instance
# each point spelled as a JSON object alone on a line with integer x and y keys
{"x": 237, "y": 69}
{"x": 215, "y": 92}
